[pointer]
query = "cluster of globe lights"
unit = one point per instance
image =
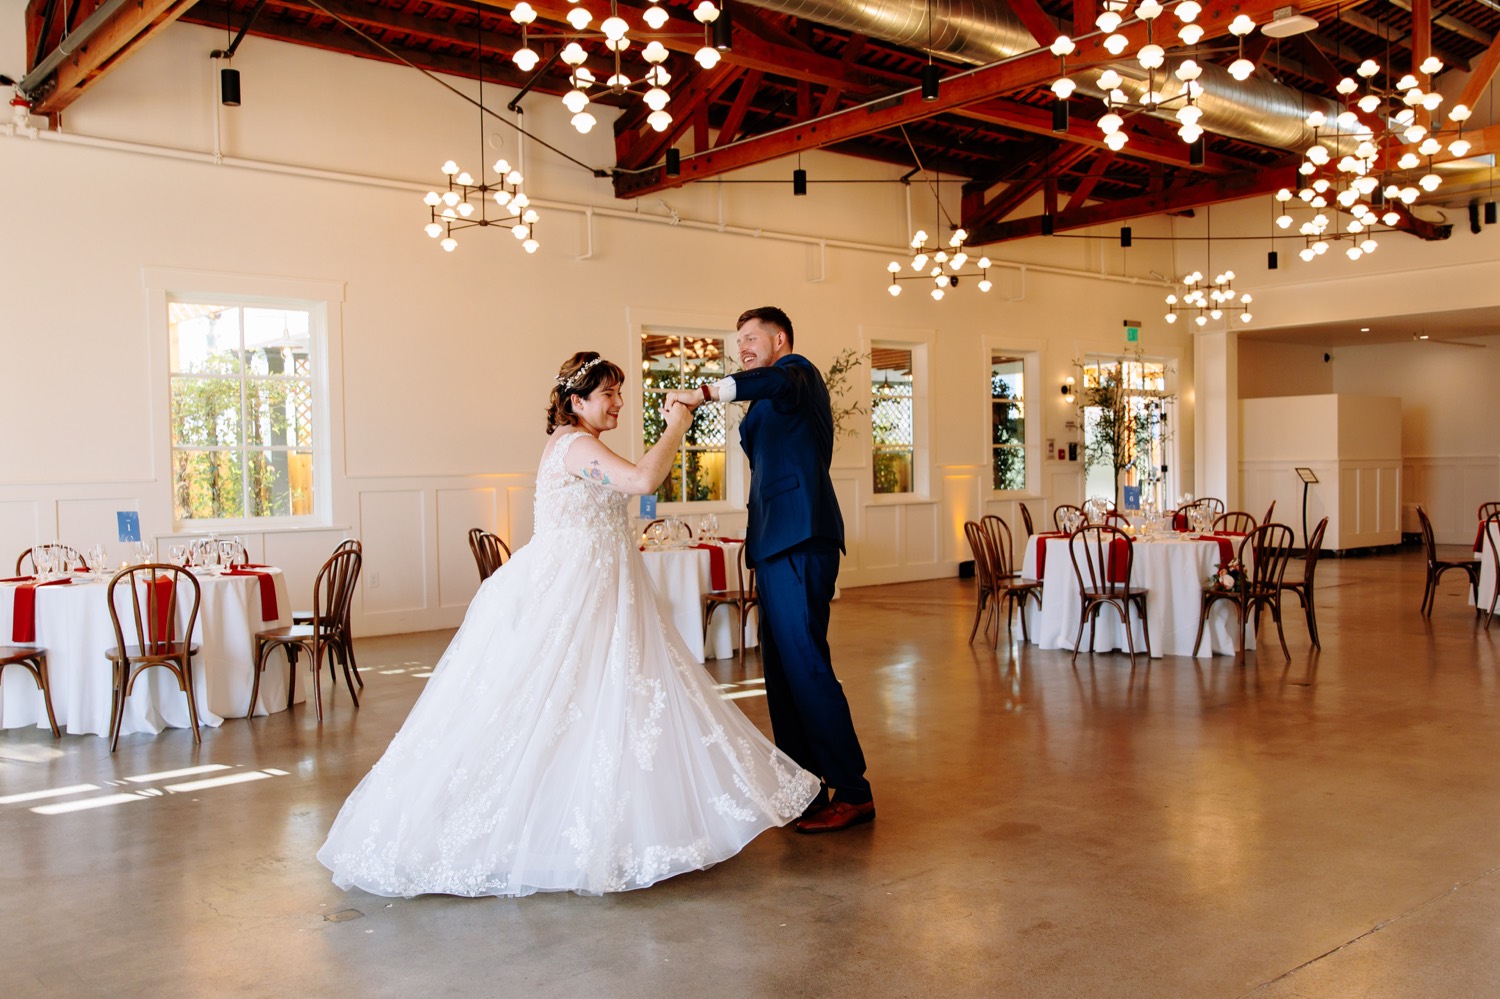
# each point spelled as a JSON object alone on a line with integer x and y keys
{"x": 616, "y": 38}
{"x": 455, "y": 208}
{"x": 1350, "y": 181}
{"x": 1151, "y": 57}
{"x": 945, "y": 265}
{"x": 1208, "y": 301}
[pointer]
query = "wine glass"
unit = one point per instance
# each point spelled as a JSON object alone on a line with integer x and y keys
{"x": 96, "y": 557}
{"x": 656, "y": 534}
{"x": 178, "y": 554}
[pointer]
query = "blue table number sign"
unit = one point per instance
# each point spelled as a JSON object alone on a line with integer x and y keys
{"x": 130, "y": 525}
{"x": 1132, "y": 497}
{"x": 648, "y": 507}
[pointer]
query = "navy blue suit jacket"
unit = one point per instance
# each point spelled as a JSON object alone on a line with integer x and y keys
{"x": 788, "y": 436}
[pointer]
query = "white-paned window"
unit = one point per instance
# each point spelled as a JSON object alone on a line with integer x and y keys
{"x": 1008, "y": 450}
{"x": 684, "y": 360}
{"x": 893, "y": 419}
{"x": 243, "y": 384}
{"x": 1146, "y": 423}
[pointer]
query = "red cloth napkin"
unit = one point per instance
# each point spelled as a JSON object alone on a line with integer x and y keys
{"x": 1180, "y": 522}
{"x": 716, "y": 577}
{"x": 163, "y": 629}
{"x": 1041, "y": 551}
{"x": 269, "y": 609}
{"x": 1119, "y": 559}
{"x": 23, "y": 612}
{"x": 1226, "y": 546}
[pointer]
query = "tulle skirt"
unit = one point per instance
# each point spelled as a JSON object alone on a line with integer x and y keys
{"x": 566, "y": 741}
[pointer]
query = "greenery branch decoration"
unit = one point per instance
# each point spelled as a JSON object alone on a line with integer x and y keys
{"x": 1121, "y": 420}
{"x": 839, "y": 379}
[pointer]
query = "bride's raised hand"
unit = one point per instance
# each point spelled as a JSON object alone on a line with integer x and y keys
{"x": 679, "y": 416}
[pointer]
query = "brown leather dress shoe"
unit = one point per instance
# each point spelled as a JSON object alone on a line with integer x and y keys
{"x": 837, "y": 816}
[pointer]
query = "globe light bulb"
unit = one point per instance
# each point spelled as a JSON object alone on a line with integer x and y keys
{"x": 525, "y": 59}
{"x": 1390, "y": 218}
{"x": 1188, "y": 10}
{"x": 1430, "y": 182}
{"x": 659, "y": 121}
{"x": 656, "y": 98}
{"x": 433, "y": 229}
{"x": 1109, "y": 80}
{"x": 1354, "y": 253}
{"x": 432, "y": 199}
{"x": 614, "y": 27}
{"x": 450, "y": 198}
{"x": 1459, "y": 147}
{"x": 1115, "y": 44}
{"x": 1459, "y": 112}
{"x": 706, "y": 12}
{"x": 1306, "y": 253}
{"x": 575, "y": 100}
{"x": 1245, "y": 317}
{"x": 573, "y": 54}
{"x": 937, "y": 294}
{"x": 450, "y": 244}
{"x": 1201, "y": 320}
{"x": 1283, "y": 221}
{"x": 894, "y": 289}
{"x": 523, "y": 13}
{"x": 959, "y": 259}
{"x": 1115, "y": 141}
{"x": 1241, "y": 69}
{"x": 655, "y": 17}
{"x": 519, "y": 231}
{"x": 1190, "y": 133}
{"x": 894, "y": 267}
{"x": 464, "y": 180}
{"x": 583, "y": 121}
{"x": 707, "y": 57}
{"x": 1063, "y": 88}
{"x": 1368, "y": 245}
{"x": 1242, "y": 25}
{"x": 513, "y": 178}
{"x": 654, "y": 52}
{"x": 1188, "y": 70}
{"x": 1189, "y": 114}
{"x": 1191, "y": 34}
{"x": 579, "y": 18}
{"x": 1108, "y": 21}
{"x": 1110, "y": 123}
{"x": 1368, "y": 103}
{"x": 1148, "y": 10}
{"x": 466, "y": 209}
{"x": 1151, "y": 56}
{"x": 450, "y": 168}
{"x": 1063, "y": 46}
{"x": 1171, "y": 317}
{"x": 531, "y": 217}
{"x": 919, "y": 261}
{"x": 530, "y": 245}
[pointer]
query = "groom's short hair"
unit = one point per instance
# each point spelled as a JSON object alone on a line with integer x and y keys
{"x": 771, "y": 316}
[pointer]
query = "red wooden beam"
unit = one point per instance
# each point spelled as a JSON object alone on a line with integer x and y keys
{"x": 1021, "y": 72}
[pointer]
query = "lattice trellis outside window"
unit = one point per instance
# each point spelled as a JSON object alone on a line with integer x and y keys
{"x": 242, "y": 405}
{"x": 1008, "y": 422}
{"x": 1144, "y": 384}
{"x": 685, "y": 361}
{"x": 892, "y": 419}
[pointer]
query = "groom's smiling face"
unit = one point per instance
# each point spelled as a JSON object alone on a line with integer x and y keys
{"x": 759, "y": 343}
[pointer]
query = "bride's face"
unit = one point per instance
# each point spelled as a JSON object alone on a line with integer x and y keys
{"x": 600, "y": 409}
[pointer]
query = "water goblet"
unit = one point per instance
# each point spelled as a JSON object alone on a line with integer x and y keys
{"x": 705, "y": 532}
{"x": 96, "y": 558}
{"x": 178, "y": 554}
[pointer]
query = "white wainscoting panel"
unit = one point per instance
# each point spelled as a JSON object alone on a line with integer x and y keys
{"x": 459, "y": 511}
{"x": 22, "y": 525}
{"x": 961, "y": 502}
{"x": 919, "y": 536}
{"x": 393, "y": 527}
{"x": 1450, "y": 489}
{"x": 882, "y": 543}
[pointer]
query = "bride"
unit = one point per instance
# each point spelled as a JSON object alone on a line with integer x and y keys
{"x": 566, "y": 740}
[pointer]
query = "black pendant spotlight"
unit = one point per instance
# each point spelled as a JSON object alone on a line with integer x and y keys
{"x": 229, "y": 87}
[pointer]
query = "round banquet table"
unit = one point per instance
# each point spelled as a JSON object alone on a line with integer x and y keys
{"x": 73, "y": 624}
{"x": 683, "y": 576}
{"x": 1171, "y": 569}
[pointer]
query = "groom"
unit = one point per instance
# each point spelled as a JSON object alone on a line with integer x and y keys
{"x": 793, "y": 540}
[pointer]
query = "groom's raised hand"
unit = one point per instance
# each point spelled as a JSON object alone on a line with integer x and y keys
{"x": 692, "y": 400}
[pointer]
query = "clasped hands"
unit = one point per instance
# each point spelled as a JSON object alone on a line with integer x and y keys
{"x": 690, "y": 399}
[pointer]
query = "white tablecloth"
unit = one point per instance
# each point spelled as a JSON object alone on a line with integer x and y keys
{"x": 1172, "y": 571}
{"x": 1486, "y": 577}
{"x": 72, "y": 623}
{"x": 684, "y": 576}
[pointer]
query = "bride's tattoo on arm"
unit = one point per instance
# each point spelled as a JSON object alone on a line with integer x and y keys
{"x": 593, "y": 471}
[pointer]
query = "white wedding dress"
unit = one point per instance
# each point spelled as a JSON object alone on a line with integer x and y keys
{"x": 566, "y": 740}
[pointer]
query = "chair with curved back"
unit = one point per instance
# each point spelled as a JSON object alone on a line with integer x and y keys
{"x": 74, "y": 555}
{"x": 1000, "y": 536}
{"x": 33, "y": 659}
{"x": 1270, "y": 511}
{"x": 1213, "y": 503}
{"x": 1026, "y": 521}
{"x": 646, "y": 531}
{"x": 1303, "y": 587}
{"x": 1436, "y": 567}
{"x": 1115, "y": 518}
{"x": 152, "y": 592}
{"x": 1057, "y": 513}
{"x": 1488, "y": 510}
{"x": 1264, "y": 553}
{"x": 1491, "y": 534}
{"x": 1235, "y": 522}
{"x": 996, "y": 583}
{"x": 328, "y": 634}
{"x": 490, "y": 552}
{"x": 1103, "y": 581}
{"x": 742, "y": 598}
{"x": 346, "y": 634}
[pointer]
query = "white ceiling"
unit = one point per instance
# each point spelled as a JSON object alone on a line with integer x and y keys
{"x": 1471, "y": 325}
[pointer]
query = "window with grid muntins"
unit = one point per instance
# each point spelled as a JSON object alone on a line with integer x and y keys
{"x": 242, "y": 405}
{"x": 1008, "y": 422}
{"x": 892, "y": 419}
{"x": 672, "y": 361}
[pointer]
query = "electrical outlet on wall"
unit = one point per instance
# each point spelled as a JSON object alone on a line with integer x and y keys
{"x": 372, "y": 579}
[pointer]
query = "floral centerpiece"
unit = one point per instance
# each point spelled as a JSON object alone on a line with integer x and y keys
{"x": 1227, "y": 576}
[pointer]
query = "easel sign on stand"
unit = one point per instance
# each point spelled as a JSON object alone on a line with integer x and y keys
{"x": 1308, "y": 477}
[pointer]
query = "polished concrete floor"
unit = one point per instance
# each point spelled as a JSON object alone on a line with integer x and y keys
{"x": 1186, "y": 828}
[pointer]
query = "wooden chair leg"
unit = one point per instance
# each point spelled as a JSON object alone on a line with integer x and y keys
{"x": 347, "y": 642}
{"x": 317, "y": 680}
{"x": 117, "y": 710}
{"x": 260, "y": 664}
{"x": 978, "y": 612}
{"x": 349, "y": 674}
{"x": 1078, "y": 638}
{"x": 44, "y": 683}
{"x": 1145, "y": 627}
{"x": 1203, "y": 610}
{"x": 187, "y": 688}
{"x": 1312, "y": 618}
{"x": 1129, "y": 632}
{"x": 1276, "y": 616}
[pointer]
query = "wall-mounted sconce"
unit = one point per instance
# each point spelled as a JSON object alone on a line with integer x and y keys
{"x": 1069, "y": 396}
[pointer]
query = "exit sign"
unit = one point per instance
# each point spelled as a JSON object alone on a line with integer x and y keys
{"x": 1132, "y": 331}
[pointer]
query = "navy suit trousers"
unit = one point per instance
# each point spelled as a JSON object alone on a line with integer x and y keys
{"x": 809, "y": 713}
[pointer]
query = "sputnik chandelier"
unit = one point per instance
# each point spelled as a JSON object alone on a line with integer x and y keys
{"x": 946, "y": 268}
{"x": 615, "y": 32}
{"x": 1152, "y": 57}
{"x": 1375, "y": 123}
{"x": 1204, "y": 300}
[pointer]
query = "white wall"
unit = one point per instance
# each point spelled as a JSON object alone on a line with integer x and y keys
{"x": 444, "y": 361}
{"x": 1275, "y": 369}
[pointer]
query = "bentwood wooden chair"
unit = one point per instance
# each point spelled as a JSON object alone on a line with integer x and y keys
{"x": 1212, "y": 503}
{"x": 1303, "y": 588}
{"x": 1270, "y": 511}
{"x": 1103, "y": 574}
{"x": 1057, "y": 515}
{"x": 1115, "y": 518}
{"x": 490, "y": 552}
{"x": 996, "y": 585}
{"x": 1000, "y": 536}
{"x": 1235, "y": 522}
{"x": 33, "y": 659}
{"x": 25, "y": 566}
{"x": 327, "y": 635}
{"x": 1263, "y": 553}
{"x": 346, "y": 634}
{"x": 1490, "y": 531}
{"x": 153, "y": 593}
{"x": 742, "y": 599}
{"x": 1436, "y": 567}
{"x": 1026, "y": 521}
{"x": 1488, "y": 510}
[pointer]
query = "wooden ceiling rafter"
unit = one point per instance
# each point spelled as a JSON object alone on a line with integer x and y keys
{"x": 125, "y": 31}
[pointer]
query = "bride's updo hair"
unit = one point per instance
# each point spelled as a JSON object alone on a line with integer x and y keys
{"x": 579, "y": 375}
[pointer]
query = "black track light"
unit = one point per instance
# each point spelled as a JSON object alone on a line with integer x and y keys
{"x": 799, "y": 182}
{"x": 229, "y": 87}
{"x": 1060, "y": 116}
{"x": 1125, "y": 236}
{"x": 1489, "y": 213}
{"x": 1271, "y": 261}
{"x": 1196, "y": 153}
{"x": 674, "y": 163}
{"x": 931, "y": 74}
{"x": 723, "y": 29}
{"x": 1047, "y": 224}
{"x": 1474, "y": 225}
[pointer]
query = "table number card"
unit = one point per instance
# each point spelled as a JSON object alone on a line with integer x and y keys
{"x": 648, "y": 507}
{"x": 130, "y": 525}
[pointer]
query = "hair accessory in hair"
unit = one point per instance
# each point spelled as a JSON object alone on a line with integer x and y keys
{"x": 568, "y": 383}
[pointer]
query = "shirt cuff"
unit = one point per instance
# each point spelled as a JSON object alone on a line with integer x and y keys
{"x": 724, "y": 389}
